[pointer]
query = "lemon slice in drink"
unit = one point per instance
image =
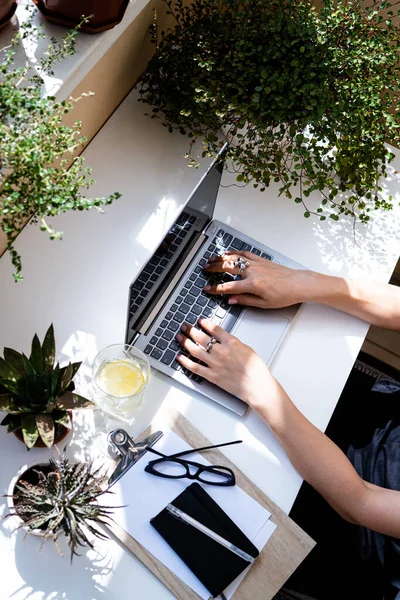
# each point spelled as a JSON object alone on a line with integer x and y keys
{"x": 121, "y": 378}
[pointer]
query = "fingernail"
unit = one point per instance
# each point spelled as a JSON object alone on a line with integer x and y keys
{"x": 206, "y": 265}
{"x": 213, "y": 259}
{"x": 207, "y": 287}
{"x": 232, "y": 301}
{"x": 179, "y": 337}
{"x": 201, "y": 320}
{"x": 183, "y": 327}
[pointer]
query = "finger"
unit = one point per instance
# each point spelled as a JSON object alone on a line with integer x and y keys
{"x": 215, "y": 331}
{"x": 225, "y": 266}
{"x": 192, "y": 366}
{"x": 192, "y": 348}
{"x": 249, "y": 255}
{"x": 196, "y": 334}
{"x": 241, "y": 286}
{"x": 248, "y": 300}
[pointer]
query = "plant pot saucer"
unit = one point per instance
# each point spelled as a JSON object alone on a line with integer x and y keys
{"x": 60, "y": 20}
{"x": 8, "y": 17}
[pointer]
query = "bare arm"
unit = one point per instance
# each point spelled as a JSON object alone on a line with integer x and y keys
{"x": 269, "y": 285}
{"x": 239, "y": 370}
{"x": 376, "y": 303}
{"x": 320, "y": 462}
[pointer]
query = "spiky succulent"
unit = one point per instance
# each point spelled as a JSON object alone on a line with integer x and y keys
{"x": 63, "y": 500}
{"x": 36, "y": 393}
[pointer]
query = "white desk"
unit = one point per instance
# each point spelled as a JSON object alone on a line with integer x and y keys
{"x": 81, "y": 285}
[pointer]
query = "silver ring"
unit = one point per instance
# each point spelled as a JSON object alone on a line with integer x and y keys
{"x": 211, "y": 344}
{"x": 241, "y": 264}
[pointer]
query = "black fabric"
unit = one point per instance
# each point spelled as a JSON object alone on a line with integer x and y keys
{"x": 213, "y": 564}
{"x": 346, "y": 564}
{"x": 379, "y": 463}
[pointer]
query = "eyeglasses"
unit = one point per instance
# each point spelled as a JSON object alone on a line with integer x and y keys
{"x": 174, "y": 467}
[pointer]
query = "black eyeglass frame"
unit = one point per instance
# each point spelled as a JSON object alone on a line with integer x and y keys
{"x": 213, "y": 469}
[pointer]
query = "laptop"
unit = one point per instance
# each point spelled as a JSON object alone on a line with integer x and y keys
{"x": 168, "y": 292}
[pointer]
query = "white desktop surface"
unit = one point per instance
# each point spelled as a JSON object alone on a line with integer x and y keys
{"x": 81, "y": 285}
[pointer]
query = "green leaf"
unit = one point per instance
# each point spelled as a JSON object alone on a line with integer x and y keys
{"x": 13, "y": 422}
{"x": 62, "y": 418}
{"x": 14, "y": 359}
{"x": 70, "y": 401}
{"x": 8, "y": 372}
{"x": 29, "y": 430}
{"x": 46, "y": 429}
{"x": 66, "y": 377}
{"x": 307, "y": 214}
{"x": 240, "y": 177}
{"x": 36, "y": 357}
{"x": 49, "y": 348}
{"x": 8, "y": 404}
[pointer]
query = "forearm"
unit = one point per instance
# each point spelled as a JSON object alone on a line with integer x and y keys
{"x": 316, "y": 458}
{"x": 375, "y": 303}
{"x": 324, "y": 466}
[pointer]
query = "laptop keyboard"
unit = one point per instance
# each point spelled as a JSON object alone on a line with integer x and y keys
{"x": 191, "y": 303}
{"x": 156, "y": 266}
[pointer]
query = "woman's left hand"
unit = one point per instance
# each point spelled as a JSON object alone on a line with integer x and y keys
{"x": 231, "y": 365}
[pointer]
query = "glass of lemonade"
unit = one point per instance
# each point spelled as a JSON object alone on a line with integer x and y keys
{"x": 120, "y": 376}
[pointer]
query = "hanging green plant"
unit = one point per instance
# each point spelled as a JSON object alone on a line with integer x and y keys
{"x": 307, "y": 98}
{"x": 36, "y": 147}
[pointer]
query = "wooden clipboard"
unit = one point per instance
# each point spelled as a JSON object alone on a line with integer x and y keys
{"x": 284, "y": 551}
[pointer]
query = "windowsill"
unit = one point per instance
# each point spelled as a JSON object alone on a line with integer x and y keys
{"x": 90, "y": 48}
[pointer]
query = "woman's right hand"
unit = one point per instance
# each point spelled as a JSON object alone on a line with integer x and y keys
{"x": 264, "y": 284}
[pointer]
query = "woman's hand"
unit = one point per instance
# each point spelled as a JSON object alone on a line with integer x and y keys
{"x": 231, "y": 365}
{"x": 264, "y": 284}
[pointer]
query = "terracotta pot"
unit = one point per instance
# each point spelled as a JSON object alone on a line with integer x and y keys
{"x": 104, "y": 13}
{"x": 7, "y": 9}
{"x": 60, "y": 433}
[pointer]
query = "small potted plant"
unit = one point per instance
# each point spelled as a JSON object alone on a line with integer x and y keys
{"x": 37, "y": 394}
{"x": 100, "y": 14}
{"x": 7, "y": 10}
{"x": 60, "y": 498}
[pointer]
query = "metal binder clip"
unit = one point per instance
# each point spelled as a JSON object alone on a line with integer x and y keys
{"x": 123, "y": 445}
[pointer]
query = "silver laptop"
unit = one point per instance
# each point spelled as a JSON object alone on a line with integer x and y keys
{"x": 168, "y": 292}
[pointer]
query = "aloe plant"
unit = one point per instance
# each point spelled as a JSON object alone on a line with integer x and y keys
{"x": 63, "y": 500}
{"x": 37, "y": 393}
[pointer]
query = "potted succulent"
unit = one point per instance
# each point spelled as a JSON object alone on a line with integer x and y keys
{"x": 306, "y": 96}
{"x": 40, "y": 174}
{"x": 100, "y": 14}
{"x": 60, "y": 498}
{"x": 7, "y": 10}
{"x": 37, "y": 394}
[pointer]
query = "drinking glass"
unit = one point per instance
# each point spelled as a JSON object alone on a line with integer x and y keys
{"x": 120, "y": 374}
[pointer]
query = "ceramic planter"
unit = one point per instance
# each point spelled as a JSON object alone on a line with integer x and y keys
{"x": 7, "y": 9}
{"x": 104, "y": 13}
{"x": 20, "y": 475}
{"x": 61, "y": 433}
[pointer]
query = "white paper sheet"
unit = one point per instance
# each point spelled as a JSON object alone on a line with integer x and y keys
{"x": 146, "y": 495}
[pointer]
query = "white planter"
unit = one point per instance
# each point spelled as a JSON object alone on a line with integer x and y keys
{"x": 10, "y": 492}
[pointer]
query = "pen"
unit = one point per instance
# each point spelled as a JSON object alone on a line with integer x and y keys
{"x": 182, "y": 516}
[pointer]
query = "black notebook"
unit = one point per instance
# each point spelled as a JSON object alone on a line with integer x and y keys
{"x": 213, "y": 564}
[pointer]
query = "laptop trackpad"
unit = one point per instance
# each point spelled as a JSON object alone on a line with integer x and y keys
{"x": 261, "y": 330}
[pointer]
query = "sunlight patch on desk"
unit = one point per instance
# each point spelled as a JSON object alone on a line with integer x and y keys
{"x": 81, "y": 346}
{"x": 158, "y": 224}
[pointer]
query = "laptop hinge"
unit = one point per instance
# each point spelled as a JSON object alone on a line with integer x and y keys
{"x": 145, "y": 325}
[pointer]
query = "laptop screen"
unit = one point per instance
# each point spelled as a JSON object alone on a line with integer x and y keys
{"x": 204, "y": 196}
